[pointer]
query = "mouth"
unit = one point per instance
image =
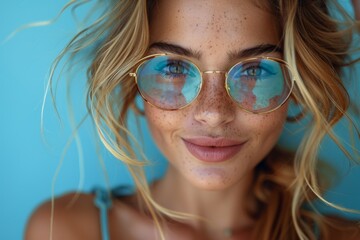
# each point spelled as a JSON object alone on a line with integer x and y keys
{"x": 213, "y": 150}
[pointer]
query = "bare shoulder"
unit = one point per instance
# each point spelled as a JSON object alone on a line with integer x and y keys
{"x": 342, "y": 229}
{"x": 75, "y": 217}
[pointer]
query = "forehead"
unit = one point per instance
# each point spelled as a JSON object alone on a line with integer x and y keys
{"x": 216, "y": 25}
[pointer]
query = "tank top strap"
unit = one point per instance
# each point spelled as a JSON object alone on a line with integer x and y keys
{"x": 103, "y": 201}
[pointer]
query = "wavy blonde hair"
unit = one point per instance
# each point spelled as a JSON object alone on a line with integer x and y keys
{"x": 315, "y": 46}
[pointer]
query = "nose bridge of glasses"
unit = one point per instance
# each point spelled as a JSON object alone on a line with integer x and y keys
{"x": 222, "y": 73}
{"x": 214, "y": 87}
{"x": 217, "y": 72}
{"x": 214, "y": 71}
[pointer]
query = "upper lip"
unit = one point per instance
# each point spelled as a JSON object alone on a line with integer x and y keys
{"x": 213, "y": 142}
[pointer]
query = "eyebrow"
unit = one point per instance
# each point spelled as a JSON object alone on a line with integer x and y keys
{"x": 243, "y": 53}
{"x": 255, "y": 51}
{"x": 176, "y": 49}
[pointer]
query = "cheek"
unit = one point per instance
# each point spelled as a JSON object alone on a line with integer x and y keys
{"x": 164, "y": 125}
{"x": 163, "y": 120}
{"x": 268, "y": 127}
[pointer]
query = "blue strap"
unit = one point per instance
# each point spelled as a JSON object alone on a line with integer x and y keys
{"x": 103, "y": 202}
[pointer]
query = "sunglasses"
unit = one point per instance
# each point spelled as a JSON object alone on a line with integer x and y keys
{"x": 172, "y": 82}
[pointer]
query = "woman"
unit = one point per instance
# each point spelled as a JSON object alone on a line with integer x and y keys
{"x": 216, "y": 78}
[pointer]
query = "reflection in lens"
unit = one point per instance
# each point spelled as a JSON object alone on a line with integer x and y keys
{"x": 259, "y": 85}
{"x": 268, "y": 89}
{"x": 167, "y": 82}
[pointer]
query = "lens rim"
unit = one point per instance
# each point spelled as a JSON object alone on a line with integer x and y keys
{"x": 226, "y": 85}
{"x": 142, "y": 61}
{"x": 278, "y": 60}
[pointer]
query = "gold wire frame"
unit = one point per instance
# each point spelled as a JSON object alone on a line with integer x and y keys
{"x": 141, "y": 61}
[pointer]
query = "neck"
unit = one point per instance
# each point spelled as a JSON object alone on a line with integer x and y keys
{"x": 224, "y": 210}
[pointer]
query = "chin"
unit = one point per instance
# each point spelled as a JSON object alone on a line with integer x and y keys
{"x": 212, "y": 179}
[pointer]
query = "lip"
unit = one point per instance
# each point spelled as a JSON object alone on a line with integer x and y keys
{"x": 209, "y": 149}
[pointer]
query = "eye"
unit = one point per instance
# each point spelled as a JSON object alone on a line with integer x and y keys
{"x": 171, "y": 69}
{"x": 257, "y": 69}
{"x": 254, "y": 71}
{"x": 176, "y": 68}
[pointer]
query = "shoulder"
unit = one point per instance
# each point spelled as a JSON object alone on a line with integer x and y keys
{"x": 338, "y": 228}
{"x": 74, "y": 216}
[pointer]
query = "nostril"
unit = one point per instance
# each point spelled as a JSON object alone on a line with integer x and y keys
{"x": 214, "y": 114}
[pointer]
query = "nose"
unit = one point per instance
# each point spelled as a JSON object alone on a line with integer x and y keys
{"x": 214, "y": 107}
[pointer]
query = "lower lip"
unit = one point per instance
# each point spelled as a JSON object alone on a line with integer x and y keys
{"x": 213, "y": 154}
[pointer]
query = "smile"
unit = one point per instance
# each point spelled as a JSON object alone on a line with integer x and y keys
{"x": 213, "y": 149}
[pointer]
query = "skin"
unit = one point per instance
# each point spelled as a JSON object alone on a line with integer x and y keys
{"x": 213, "y": 113}
{"x": 216, "y": 191}
{"x": 212, "y": 30}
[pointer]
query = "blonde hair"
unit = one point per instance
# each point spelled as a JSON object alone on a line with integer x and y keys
{"x": 314, "y": 46}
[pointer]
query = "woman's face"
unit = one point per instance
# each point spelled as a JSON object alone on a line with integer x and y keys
{"x": 212, "y": 142}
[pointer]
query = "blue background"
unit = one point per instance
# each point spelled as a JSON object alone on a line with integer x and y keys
{"x": 30, "y": 161}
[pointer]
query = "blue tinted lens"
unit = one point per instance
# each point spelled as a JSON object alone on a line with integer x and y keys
{"x": 259, "y": 85}
{"x": 168, "y": 82}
